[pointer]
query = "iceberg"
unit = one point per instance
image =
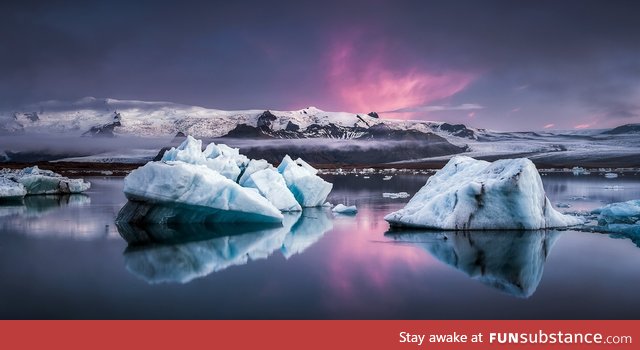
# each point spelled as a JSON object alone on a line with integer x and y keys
{"x": 512, "y": 263}
{"x": 308, "y": 189}
{"x": 10, "y": 190}
{"x": 469, "y": 194}
{"x": 34, "y": 181}
{"x": 343, "y": 209}
{"x": 194, "y": 191}
{"x": 218, "y": 185}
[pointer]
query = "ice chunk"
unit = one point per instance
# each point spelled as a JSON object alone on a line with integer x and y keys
{"x": 252, "y": 167}
{"x": 563, "y": 205}
{"x": 206, "y": 193}
{"x": 343, "y": 209}
{"x": 308, "y": 189}
{"x": 10, "y": 189}
{"x": 611, "y": 175}
{"x": 39, "y": 181}
{"x": 469, "y": 194}
{"x": 272, "y": 186}
{"x": 396, "y": 195}
{"x": 619, "y": 213}
{"x": 512, "y": 262}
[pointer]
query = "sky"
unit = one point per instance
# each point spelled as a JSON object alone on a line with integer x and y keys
{"x": 503, "y": 65}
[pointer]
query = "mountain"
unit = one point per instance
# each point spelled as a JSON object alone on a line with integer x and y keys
{"x": 109, "y": 117}
{"x": 124, "y": 131}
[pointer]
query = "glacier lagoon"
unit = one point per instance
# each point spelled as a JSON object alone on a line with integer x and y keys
{"x": 64, "y": 257}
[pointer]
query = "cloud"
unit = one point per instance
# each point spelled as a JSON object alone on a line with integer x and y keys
{"x": 549, "y": 126}
{"x": 436, "y": 108}
{"x": 370, "y": 80}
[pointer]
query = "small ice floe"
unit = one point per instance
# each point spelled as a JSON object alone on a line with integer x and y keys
{"x": 366, "y": 177}
{"x": 396, "y": 195}
{"x": 614, "y": 187}
{"x": 219, "y": 185}
{"x": 469, "y": 194}
{"x": 33, "y": 180}
{"x": 610, "y": 175}
{"x": 563, "y": 205}
{"x": 577, "y": 198}
{"x": 387, "y": 178}
{"x": 343, "y": 209}
{"x": 621, "y": 218}
{"x": 576, "y": 170}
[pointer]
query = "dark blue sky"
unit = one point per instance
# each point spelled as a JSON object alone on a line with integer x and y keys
{"x": 508, "y": 65}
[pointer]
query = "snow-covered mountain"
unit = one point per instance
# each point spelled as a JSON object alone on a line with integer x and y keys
{"x": 109, "y": 117}
{"x": 124, "y": 131}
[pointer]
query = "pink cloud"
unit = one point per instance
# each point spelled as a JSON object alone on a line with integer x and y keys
{"x": 550, "y": 125}
{"x": 364, "y": 82}
{"x": 583, "y": 126}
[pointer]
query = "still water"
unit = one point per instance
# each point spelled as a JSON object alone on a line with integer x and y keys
{"x": 63, "y": 257}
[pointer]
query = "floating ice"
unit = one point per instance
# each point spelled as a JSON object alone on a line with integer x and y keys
{"x": 576, "y": 170}
{"x": 219, "y": 185}
{"x": 37, "y": 181}
{"x": 387, "y": 178}
{"x": 563, "y": 205}
{"x": 619, "y": 213}
{"x": 205, "y": 193}
{"x": 621, "y": 218}
{"x": 308, "y": 188}
{"x": 396, "y": 195}
{"x": 610, "y": 175}
{"x": 11, "y": 190}
{"x": 343, "y": 209}
{"x": 469, "y": 194}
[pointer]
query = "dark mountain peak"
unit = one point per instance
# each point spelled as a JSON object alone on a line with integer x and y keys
{"x": 459, "y": 130}
{"x": 292, "y": 126}
{"x": 373, "y": 115}
{"x": 265, "y": 119}
{"x": 624, "y": 129}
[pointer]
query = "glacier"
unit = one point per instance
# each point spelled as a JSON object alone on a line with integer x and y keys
{"x": 219, "y": 185}
{"x": 36, "y": 181}
{"x": 470, "y": 194}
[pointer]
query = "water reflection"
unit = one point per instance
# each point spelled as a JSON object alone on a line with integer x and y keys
{"x": 181, "y": 253}
{"x": 510, "y": 261}
{"x": 35, "y": 206}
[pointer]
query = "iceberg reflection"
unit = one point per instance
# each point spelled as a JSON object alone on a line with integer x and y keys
{"x": 182, "y": 253}
{"x": 510, "y": 261}
{"x": 38, "y": 205}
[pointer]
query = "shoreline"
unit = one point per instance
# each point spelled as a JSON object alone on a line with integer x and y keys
{"x": 122, "y": 169}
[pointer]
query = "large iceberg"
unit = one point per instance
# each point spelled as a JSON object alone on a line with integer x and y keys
{"x": 33, "y": 180}
{"x": 218, "y": 185}
{"x": 469, "y": 194}
{"x": 512, "y": 263}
